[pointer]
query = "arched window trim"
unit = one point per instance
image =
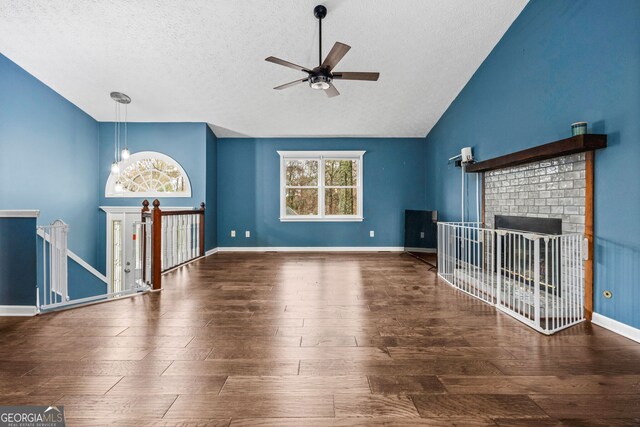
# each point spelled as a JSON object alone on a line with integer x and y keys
{"x": 111, "y": 181}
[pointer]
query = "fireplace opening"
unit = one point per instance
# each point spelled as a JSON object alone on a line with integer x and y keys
{"x": 518, "y": 256}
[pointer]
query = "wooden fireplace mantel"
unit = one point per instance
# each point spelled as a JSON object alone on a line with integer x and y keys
{"x": 563, "y": 147}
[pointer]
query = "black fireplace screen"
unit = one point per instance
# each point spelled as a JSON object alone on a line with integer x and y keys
{"x": 517, "y": 258}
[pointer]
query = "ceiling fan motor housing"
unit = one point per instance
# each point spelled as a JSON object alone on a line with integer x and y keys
{"x": 320, "y": 79}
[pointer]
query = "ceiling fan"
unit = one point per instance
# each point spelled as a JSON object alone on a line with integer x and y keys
{"x": 321, "y": 77}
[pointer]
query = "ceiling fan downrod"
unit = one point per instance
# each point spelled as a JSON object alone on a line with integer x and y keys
{"x": 320, "y": 12}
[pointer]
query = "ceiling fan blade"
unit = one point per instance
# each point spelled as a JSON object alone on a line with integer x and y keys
{"x": 331, "y": 91}
{"x": 293, "y": 83}
{"x": 338, "y": 51}
{"x": 357, "y": 76}
{"x": 287, "y": 64}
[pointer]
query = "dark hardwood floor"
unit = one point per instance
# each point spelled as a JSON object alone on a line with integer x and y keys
{"x": 314, "y": 340}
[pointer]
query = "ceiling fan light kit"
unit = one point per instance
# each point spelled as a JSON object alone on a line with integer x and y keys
{"x": 322, "y": 76}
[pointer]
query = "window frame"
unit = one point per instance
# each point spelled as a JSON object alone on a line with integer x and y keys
{"x": 321, "y": 157}
{"x": 134, "y": 157}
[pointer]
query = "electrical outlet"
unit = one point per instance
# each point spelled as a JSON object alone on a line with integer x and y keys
{"x": 422, "y": 234}
{"x": 372, "y": 233}
{"x": 247, "y": 233}
{"x": 233, "y": 233}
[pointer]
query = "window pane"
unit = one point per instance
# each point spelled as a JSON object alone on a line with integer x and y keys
{"x": 341, "y": 201}
{"x": 302, "y": 201}
{"x": 302, "y": 173}
{"x": 151, "y": 175}
{"x": 340, "y": 172}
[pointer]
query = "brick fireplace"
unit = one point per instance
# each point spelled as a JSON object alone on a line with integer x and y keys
{"x": 554, "y": 188}
{"x": 553, "y": 180}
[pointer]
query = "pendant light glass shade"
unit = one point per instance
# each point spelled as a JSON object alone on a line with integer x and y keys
{"x": 115, "y": 167}
{"x": 124, "y": 154}
{"x": 118, "y": 187}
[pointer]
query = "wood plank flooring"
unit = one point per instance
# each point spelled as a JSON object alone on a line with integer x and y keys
{"x": 293, "y": 339}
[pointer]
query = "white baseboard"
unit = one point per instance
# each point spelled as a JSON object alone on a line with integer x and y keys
{"x": 211, "y": 252}
{"x": 18, "y": 310}
{"x": 310, "y": 249}
{"x": 423, "y": 250}
{"x": 617, "y": 327}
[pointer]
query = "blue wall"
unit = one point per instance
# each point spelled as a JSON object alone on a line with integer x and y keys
{"x": 82, "y": 283}
{"x": 18, "y": 261}
{"x": 249, "y": 192}
{"x": 184, "y": 142}
{"x": 211, "y": 227}
{"x": 48, "y": 157}
{"x": 561, "y": 61}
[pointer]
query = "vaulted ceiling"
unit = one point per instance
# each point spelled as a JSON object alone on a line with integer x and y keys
{"x": 203, "y": 60}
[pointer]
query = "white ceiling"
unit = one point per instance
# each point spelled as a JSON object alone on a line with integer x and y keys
{"x": 203, "y": 60}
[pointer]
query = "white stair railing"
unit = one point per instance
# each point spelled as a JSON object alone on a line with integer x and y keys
{"x": 54, "y": 264}
{"x": 536, "y": 278}
{"x": 53, "y": 293}
{"x": 142, "y": 253}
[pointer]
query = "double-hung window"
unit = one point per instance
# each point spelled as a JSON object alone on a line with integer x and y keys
{"x": 321, "y": 185}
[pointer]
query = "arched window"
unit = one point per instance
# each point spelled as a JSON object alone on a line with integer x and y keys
{"x": 149, "y": 174}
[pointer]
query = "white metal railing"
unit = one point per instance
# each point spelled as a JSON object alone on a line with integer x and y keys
{"x": 53, "y": 293}
{"x": 54, "y": 264}
{"x": 142, "y": 252}
{"x": 536, "y": 278}
{"x": 180, "y": 239}
{"x": 469, "y": 246}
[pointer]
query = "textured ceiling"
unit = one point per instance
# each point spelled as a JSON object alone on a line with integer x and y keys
{"x": 203, "y": 60}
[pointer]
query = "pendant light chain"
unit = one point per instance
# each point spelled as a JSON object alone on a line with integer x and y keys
{"x": 115, "y": 133}
{"x": 124, "y": 154}
{"x": 126, "y": 142}
{"x": 118, "y": 134}
{"x": 119, "y": 137}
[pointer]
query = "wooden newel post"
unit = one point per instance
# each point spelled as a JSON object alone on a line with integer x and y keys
{"x": 156, "y": 245}
{"x": 202, "y": 229}
{"x": 145, "y": 208}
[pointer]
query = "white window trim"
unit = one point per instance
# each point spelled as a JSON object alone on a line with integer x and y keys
{"x": 110, "y": 192}
{"x": 321, "y": 156}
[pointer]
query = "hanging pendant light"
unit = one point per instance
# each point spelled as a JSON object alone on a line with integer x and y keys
{"x": 124, "y": 154}
{"x": 120, "y": 154}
